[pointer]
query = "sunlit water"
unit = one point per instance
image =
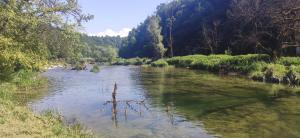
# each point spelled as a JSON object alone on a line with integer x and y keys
{"x": 155, "y": 102}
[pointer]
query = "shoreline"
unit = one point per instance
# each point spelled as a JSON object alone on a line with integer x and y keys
{"x": 18, "y": 120}
{"x": 257, "y": 67}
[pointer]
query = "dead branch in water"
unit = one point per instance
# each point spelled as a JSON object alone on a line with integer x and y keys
{"x": 128, "y": 104}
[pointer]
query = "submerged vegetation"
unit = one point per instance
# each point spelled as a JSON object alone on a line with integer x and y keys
{"x": 228, "y": 107}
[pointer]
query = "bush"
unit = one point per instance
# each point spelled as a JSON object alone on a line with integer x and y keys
{"x": 132, "y": 61}
{"x": 275, "y": 73}
{"x": 79, "y": 66}
{"x": 160, "y": 63}
{"x": 95, "y": 69}
{"x": 11, "y": 62}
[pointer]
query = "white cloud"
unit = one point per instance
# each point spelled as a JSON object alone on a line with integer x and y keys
{"x": 109, "y": 32}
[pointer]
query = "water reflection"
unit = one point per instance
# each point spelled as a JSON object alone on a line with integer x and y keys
{"x": 88, "y": 98}
{"x": 228, "y": 107}
{"x": 129, "y": 104}
{"x": 155, "y": 102}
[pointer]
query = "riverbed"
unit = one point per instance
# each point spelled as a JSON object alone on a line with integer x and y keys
{"x": 170, "y": 102}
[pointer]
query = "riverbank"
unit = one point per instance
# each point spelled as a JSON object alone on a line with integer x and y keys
{"x": 18, "y": 121}
{"x": 285, "y": 70}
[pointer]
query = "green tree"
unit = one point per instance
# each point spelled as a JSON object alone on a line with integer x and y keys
{"x": 156, "y": 39}
{"x": 31, "y": 32}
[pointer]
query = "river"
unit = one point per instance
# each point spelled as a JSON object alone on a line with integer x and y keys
{"x": 170, "y": 102}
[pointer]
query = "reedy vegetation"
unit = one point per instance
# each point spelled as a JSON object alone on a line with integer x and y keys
{"x": 256, "y": 66}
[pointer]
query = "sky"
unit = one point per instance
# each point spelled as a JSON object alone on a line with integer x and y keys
{"x": 116, "y": 17}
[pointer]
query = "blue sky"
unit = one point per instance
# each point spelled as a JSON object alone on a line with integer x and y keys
{"x": 116, "y": 17}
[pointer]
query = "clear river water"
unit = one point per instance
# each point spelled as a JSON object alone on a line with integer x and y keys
{"x": 171, "y": 103}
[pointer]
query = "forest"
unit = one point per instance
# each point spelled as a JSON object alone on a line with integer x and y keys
{"x": 187, "y": 27}
{"x": 186, "y": 70}
{"x": 101, "y": 49}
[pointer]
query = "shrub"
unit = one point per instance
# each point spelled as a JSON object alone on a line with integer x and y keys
{"x": 132, "y": 61}
{"x": 159, "y": 63}
{"x": 275, "y": 73}
{"x": 79, "y": 66}
{"x": 257, "y": 76}
{"x": 11, "y": 62}
{"x": 95, "y": 69}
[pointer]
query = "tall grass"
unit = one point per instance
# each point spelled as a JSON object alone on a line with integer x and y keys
{"x": 242, "y": 63}
{"x": 256, "y": 66}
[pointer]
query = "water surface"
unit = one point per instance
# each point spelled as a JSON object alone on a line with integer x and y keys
{"x": 155, "y": 102}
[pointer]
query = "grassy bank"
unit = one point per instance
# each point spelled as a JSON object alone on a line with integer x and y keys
{"x": 16, "y": 120}
{"x": 258, "y": 67}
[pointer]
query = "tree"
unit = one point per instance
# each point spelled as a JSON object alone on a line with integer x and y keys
{"x": 33, "y": 31}
{"x": 214, "y": 26}
{"x": 170, "y": 23}
{"x": 156, "y": 39}
{"x": 269, "y": 24}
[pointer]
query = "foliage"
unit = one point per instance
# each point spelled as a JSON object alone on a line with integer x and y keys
{"x": 274, "y": 71}
{"x": 160, "y": 63}
{"x": 242, "y": 63}
{"x": 95, "y": 69}
{"x": 114, "y": 41}
{"x": 132, "y": 61}
{"x": 145, "y": 41}
{"x": 245, "y": 63}
{"x": 32, "y": 32}
{"x": 79, "y": 65}
{"x": 208, "y": 27}
{"x": 256, "y": 66}
{"x": 156, "y": 39}
{"x": 101, "y": 53}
